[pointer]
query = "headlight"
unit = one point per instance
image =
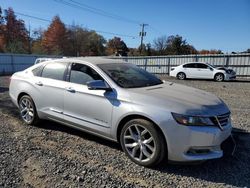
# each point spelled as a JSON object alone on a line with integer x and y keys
{"x": 192, "y": 120}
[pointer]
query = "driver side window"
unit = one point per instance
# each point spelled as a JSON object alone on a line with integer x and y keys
{"x": 81, "y": 74}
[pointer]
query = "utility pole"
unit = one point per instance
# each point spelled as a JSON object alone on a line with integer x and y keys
{"x": 142, "y": 34}
{"x": 29, "y": 40}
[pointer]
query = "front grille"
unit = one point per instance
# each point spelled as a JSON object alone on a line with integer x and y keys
{"x": 221, "y": 120}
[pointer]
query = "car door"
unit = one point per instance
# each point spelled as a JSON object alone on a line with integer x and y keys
{"x": 50, "y": 87}
{"x": 190, "y": 70}
{"x": 88, "y": 109}
{"x": 204, "y": 71}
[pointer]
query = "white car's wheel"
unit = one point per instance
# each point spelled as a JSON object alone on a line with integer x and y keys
{"x": 181, "y": 76}
{"x": 219, "y": 77}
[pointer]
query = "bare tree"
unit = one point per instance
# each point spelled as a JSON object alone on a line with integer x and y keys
{"x": 161, "y": 44}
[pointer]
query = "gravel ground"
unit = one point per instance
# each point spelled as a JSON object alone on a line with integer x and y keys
{"x": 52, "y": 155}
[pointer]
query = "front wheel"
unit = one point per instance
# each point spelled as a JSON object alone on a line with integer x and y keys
{"x": 28, "y": 110}
{"x": 143, "y": 143}
{"x": 219, "y": 77}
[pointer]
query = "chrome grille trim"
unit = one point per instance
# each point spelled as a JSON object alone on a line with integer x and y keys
{"x": 221, "y": 120}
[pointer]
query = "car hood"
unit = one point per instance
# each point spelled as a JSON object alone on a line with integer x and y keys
{"x": 225, "y": 69}
{"x": 179, "y": 99}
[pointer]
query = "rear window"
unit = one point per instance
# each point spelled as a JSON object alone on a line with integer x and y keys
{"x": 37, "y": 71}
{"x": 54, "y": 71}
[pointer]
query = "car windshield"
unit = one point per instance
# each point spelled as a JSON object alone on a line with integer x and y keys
{"x": 129, "y": 76}
{"x": 211, "y": 65}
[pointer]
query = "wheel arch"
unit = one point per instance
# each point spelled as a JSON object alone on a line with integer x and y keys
{"x": 181, "y": 72}
{"x": 127, "y": 118}
{"x": 219, "y": 73}
{"x": 20, "y": 96}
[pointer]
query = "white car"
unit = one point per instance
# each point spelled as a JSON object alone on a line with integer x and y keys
{"x": 202, "y": 70}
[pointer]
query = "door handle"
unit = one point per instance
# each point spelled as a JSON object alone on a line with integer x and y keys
{"x": 39, "y": 83}
{"x": 70, "y": 89}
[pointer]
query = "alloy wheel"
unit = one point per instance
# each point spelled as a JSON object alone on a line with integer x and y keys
{"x": 181, "y": 76}
{"x": 219, "y": 77}
{"x": 139, "y": 143}
{"x": 26, "y": 109}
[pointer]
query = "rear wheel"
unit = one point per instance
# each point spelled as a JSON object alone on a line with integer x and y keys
{"x": 28, "y": 110}
{"x": 143, "y": 143}
{"x": 219, "y": 77}
{"x": 181, "y": 76}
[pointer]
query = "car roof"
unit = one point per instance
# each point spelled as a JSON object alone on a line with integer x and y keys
{"x": 196, "y": 62}
{"x": 92, "y": 60}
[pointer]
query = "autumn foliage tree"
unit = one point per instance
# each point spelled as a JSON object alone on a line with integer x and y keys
{"x": 2, "y": 32}
{"x": 213, "y": 51}
{"x": 54, "y": 40}
{"x": 14, "y": 36}
{"x": 117, "y": 46}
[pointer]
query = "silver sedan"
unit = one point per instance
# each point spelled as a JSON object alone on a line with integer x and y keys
{"x": 151, "y": 119}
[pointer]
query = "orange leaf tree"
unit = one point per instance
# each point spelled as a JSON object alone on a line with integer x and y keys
{"x": 55, "y": 38}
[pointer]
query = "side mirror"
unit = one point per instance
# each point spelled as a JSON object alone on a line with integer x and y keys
{"x": 211, "y": 69}
{"x": 98, "y": 85}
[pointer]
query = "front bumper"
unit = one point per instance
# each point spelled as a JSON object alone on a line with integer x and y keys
{"x": 195, "y": 143}
{"x": 230, "y": 77}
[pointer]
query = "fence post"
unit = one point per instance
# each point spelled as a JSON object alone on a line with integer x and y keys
{"x": 196, "y": 58}
{"x": 227, "y": 60}
{"x": 168, "y": 66}
{"x": 146, "y": 63}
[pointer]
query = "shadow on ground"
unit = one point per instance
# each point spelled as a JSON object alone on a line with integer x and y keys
{"x": 231, "y": 81}
{"x": 229, "y": 170}
{"x": 3, "y": 89}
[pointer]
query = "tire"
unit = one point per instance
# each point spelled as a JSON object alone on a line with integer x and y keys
{"x": 219, "y": 77}
{"x": 148, "y": 148}
{"x": 181, "y": 76}
{"x": 28, "y": 111}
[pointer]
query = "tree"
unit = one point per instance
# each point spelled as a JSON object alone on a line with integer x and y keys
{"x": 36, "y": 46}
{"x": 161, "y": 44}
{"x": 176, "y": 45}
{"x": 15, "y": 35}
{"x": 78, "y": 38}
{"x": 83, "y": 42}
{"x": 117, "y": 46}
{"x": 173, "y": 45}
{"x": 2, "y": 32}
{"x": 54, "y": 40}
{"x": 213, "y": 51}
{"x": 95, "y": 44}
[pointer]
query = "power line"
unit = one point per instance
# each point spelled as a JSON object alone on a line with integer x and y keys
{"x": 155, "y": 30}
{"x": 133, "y": 37}
{"x": 98, "y": 31}
{"x": 84, "y": 7}
{"x": 105, "y": 12}
{"x": 34, "y": 17}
